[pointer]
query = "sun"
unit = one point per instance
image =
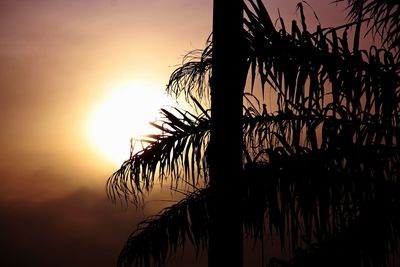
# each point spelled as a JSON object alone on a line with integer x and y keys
{"x": 123, "y": 114}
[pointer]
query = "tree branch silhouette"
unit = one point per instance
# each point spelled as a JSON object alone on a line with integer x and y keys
{"x": 320, "y": 158}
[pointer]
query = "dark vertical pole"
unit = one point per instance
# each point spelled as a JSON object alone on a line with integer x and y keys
{"x": 226, "y": 233}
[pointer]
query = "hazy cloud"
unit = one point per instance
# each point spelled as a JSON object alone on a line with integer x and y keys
{"x": 82, "y": 229}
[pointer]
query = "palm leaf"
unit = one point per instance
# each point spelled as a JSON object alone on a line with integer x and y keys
{"x": 161, "y": 236}
{"x": 319, "y": 163}
{"x": 287, "y": 195}
{"x": 178, "y": 152}
{"x": 383, "y": 16}
{"x": 193, "y": 77}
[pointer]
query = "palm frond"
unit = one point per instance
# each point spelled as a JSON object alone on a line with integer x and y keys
{"x": 177, "y": 152}
{"x": 193, "y": 77}
{"x": 322, "y": 160}
{"x": 326, "y": 93}
{"x": 330, "y": 140}
{"x": 370, "y": 239}
{"x": 383, "y": 19}
{"x": 336, "y": 207}
{"x": 159, "y": 237}
{"x": 321, "y": 197}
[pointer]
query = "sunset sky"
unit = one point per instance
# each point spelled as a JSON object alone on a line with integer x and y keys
{"x": 63, "y": 65}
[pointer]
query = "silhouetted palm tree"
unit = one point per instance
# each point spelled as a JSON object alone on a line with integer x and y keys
{"x": 320, "y": 151}
{"x": 226, "y": 134}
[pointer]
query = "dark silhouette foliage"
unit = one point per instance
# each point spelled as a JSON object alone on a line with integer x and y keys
{"x": 321, "y": 156}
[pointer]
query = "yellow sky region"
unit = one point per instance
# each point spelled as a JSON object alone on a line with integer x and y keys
{"x": 58, "y": 61}
{"x": 124, "y": 114}
{"x": 60, "y": 65}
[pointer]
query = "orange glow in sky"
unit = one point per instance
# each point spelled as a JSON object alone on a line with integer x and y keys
{"x": 123, "y": 114}
{"x": 78, "y": 79}
{"x": 70, "y": 71}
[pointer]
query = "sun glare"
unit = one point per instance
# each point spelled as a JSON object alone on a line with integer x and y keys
{"x": 124, "y": 114}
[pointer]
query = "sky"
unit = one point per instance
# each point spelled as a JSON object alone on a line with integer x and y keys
{"x": 61, "y": 61}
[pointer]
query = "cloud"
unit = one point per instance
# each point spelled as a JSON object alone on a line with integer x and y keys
{"x": 47, "y": 221}
{"x": 82, "y": 229}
